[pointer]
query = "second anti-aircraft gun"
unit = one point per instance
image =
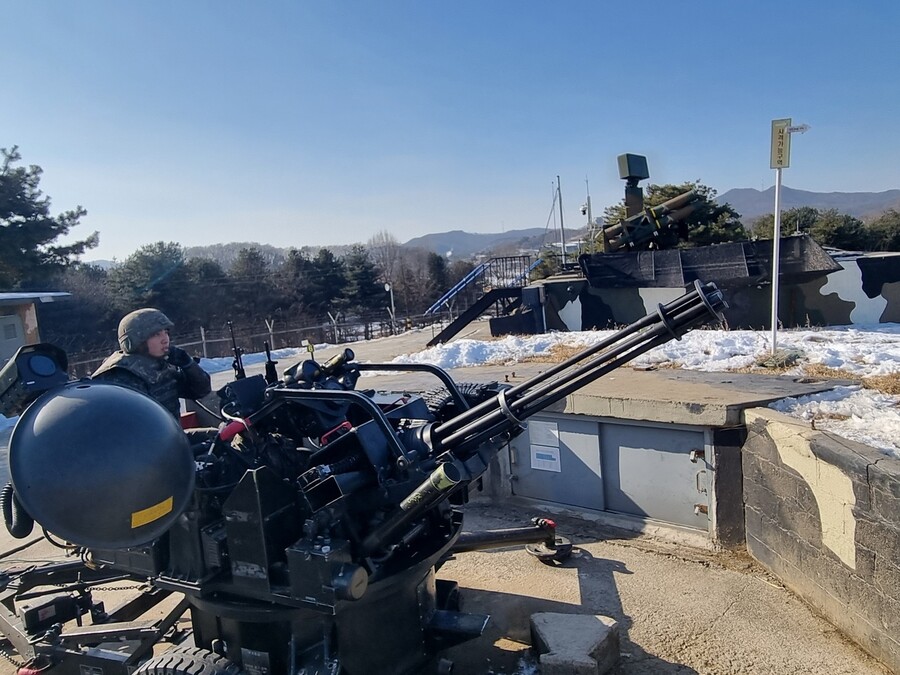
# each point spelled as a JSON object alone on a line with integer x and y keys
{"x": 654, "y": 227}
{"x": 643, "y": 228}
{"x": 304, "y": 534}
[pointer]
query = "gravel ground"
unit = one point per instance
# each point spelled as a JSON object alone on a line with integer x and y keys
{"x": 680, "y": 610}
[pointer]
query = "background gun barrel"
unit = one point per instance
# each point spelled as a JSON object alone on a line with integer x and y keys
{"x": 676, "y": 202}
{"x": 682, "y": 213}
{"x": 645, "y": 226}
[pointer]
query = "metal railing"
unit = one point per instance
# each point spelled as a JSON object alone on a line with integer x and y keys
{"x": 505, "y": 272}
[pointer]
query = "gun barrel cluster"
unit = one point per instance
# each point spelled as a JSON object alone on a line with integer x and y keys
{"x": 649, "y": 223}
{"x": 503, "y": 414}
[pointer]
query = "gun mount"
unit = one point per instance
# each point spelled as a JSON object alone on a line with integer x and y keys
{"x": 654, "y": 227}
{"x": 307, "y": 536}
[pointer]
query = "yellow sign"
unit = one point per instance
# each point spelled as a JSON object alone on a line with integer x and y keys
{"x": 781, "y": 144}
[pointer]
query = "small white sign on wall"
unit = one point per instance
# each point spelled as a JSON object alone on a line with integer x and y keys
{"x": 545, "y": 458}
{"x": 544, "y": 438}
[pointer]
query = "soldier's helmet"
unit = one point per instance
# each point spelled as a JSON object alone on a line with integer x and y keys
{"x": 138, "y": 326}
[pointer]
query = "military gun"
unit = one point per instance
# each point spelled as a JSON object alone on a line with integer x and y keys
{"x": 305, "y": 536}
{"x": 654, "y": 227}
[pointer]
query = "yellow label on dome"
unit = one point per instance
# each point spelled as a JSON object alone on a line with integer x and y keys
{"x": 155, "y": 512}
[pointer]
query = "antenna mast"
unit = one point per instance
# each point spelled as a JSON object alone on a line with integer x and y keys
{"x": 590, "y": 216}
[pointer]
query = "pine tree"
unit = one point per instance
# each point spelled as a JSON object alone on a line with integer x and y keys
{"x": 28, "y": 255}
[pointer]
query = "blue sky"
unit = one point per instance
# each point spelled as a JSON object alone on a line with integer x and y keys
{"x": 317, "y": 123}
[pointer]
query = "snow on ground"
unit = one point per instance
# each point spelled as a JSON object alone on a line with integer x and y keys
{"x": 855, "y": 413}
{"x": 851, "y": 412}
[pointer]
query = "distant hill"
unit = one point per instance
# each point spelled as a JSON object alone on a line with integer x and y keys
{"x": 752, "y": 203}
{"x": 102, "y": 264}
{"x": 461, "y": 244}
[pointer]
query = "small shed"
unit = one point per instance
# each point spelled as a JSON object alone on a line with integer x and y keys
{"x": 19, "y": 320}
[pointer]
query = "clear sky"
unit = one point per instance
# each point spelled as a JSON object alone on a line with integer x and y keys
{"x": 324, "y": 122}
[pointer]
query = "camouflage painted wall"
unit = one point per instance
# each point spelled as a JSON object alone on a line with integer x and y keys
{"x": 865, "y": 290}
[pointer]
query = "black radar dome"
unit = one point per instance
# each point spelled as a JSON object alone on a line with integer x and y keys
{"x": 101, "y": 465}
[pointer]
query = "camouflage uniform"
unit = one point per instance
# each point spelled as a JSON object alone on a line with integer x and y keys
{"x": 155, "y": 377}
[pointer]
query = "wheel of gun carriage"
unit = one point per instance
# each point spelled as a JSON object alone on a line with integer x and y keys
{"x": 189, "y": 661}
{"x": 442, "y": 405}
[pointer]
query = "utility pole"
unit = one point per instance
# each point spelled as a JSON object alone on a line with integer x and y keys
{"x": 562, "y": 229}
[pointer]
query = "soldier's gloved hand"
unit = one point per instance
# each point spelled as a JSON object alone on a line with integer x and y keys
{"x": 180, "y": 358}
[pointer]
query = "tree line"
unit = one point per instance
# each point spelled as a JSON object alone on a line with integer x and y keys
{"x": 305, "y": 289}
{"x": 835, "y": 229}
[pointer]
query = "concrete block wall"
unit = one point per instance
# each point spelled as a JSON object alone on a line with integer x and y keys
{"x": 823, "y": 515}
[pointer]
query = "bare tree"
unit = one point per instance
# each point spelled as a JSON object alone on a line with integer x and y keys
{"x": 385, "y": 252}
{"x": 412, "y": 287}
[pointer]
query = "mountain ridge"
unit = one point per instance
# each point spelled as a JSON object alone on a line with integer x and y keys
{"x": 461, "y": 244}
{"x": 752, "y": 203}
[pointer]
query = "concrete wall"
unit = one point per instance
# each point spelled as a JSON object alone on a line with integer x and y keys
{"x": 823, "y": 515}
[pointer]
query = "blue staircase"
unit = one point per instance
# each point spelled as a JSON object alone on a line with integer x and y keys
{"x": 496, "y": 282}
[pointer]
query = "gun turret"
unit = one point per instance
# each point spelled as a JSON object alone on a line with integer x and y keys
{"x": 319, "y": 509}
{"x": 646, "y": 228}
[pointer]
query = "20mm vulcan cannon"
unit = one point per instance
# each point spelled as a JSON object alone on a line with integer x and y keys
{"x": 303, "y": 534}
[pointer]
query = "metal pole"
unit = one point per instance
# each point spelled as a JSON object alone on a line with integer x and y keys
{"x": 591, "y": 229}
{"x": 393, "y": 313}
{"x": 562, "y": 229}
{"x": 776, "y": 257}
{"x": 390, "y": 288}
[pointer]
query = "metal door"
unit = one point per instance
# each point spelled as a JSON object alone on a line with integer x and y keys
{"x": 557, "y": 459}
{"x": 650, "y": 471}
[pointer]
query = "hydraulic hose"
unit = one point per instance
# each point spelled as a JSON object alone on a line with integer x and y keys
{"x": 18, "y": 523}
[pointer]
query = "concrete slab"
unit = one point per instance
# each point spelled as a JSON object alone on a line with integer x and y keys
{"x": 667, "y": 396}
{"x": 575, "y": 644}
{"x": 687, "y": 397}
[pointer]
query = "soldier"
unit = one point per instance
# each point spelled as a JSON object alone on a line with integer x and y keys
{"x": 149, "y": 363}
